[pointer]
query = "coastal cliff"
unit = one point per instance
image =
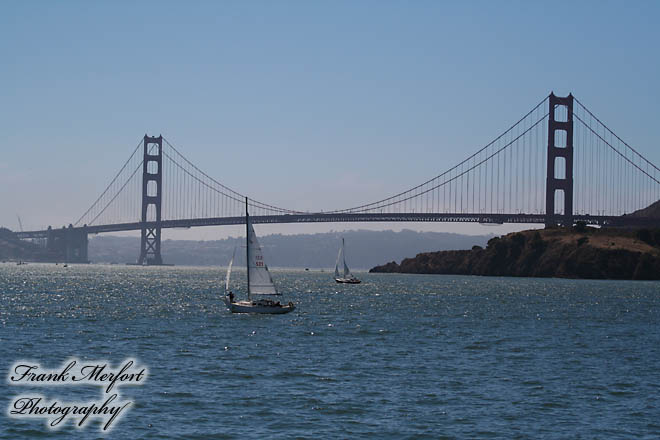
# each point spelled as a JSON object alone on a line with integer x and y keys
{"x": 579, "y": 252}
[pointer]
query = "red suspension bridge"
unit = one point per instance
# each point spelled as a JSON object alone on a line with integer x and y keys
{"x": 557, "y": 165}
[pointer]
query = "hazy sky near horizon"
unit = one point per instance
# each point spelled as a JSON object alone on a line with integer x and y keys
{"x": 330, "y": 104}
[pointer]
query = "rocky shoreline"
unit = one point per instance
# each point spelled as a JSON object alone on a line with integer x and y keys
{"x": 578, "y": 252}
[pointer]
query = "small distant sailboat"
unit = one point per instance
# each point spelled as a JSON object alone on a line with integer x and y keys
{"x": 348, "y": 277}
{"x": 259, "y": 281}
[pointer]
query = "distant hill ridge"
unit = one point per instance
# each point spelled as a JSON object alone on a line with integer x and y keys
{"x": 364, "y": 248}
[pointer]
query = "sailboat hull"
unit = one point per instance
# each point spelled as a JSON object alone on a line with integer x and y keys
{"x": 348, "y": 280}
{"x": 261, "y": 307}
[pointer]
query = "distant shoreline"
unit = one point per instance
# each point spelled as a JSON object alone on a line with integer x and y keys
{"x": 329, "y": 270}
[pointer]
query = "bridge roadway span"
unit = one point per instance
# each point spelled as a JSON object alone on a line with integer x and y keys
{"x": 484, "y": 218}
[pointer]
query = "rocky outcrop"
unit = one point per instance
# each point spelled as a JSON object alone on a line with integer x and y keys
{"x": 579, "y": 252}
{"x": 651, "y": 211}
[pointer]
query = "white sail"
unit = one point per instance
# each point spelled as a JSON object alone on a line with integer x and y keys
{"x": 341, "y": 260}
{"x": 231, "y": 262}
{"x": 347, "y": 271}
{"x": 260, "y": 281}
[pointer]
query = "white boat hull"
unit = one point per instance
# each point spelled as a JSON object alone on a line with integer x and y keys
{"x": 348, "y": 280}
{"x": 261, "y": 307}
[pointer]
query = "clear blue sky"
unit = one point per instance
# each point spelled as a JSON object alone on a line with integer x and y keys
{"x": 341, "y": 102}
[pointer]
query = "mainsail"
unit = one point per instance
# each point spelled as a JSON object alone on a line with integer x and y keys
{"x": 259, "y": 280}
{"x": 347, "y": 271}
{"x": 342, "y": 256}
{"x": 337, "y": 263}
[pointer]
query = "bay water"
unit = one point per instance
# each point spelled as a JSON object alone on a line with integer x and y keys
{"x": 398, "y": 356}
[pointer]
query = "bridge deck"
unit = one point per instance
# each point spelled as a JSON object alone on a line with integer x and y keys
{"x": 366, "y": 217}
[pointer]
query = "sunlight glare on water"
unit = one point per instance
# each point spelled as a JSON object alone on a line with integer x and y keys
{"x": 398, "y": 356}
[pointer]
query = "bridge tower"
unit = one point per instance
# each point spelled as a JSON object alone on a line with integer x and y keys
{"x": 553, "y": 183}
{"x": 152, "y": 183}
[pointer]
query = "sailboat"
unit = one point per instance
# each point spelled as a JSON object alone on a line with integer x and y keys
{"x": 259, "y": 281}
{"x": 348, "y": 277}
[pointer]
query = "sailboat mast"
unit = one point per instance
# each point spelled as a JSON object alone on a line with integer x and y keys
{"x": 247, "y": 247}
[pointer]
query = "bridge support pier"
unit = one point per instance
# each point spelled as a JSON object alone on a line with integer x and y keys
{"x": 553, "y": 183}
{"x": 76, "y": 245}
{"x": 152, "y": 181}
{"x": 69, "y": 245}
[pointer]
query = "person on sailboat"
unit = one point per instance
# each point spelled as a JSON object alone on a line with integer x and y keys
{"x": 231, "y": 296}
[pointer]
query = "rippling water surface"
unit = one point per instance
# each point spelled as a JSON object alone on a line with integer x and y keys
{"x": 399, "y": 356}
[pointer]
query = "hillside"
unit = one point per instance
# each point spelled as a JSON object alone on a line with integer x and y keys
{"x": 578, "y": 252}
{"x": 651, "y": 211}
{"x": 364, "y": 248}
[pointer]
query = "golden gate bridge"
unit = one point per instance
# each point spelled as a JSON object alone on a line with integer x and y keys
{"x": 558, "y": 164}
